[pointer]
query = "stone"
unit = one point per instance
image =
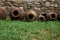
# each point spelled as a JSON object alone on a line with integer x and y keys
{"x": 52, "y": 5}
{"x": 47, "y": 4}
{"x": 43, "y": 0}
{"x": 56, "y": 5}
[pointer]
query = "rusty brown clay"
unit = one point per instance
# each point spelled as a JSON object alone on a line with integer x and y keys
{"x": 31, "y": 15}
{"x": 51, "y": 16}
{"x": 3, "y": 13}
{"x": 16, "y": 13}
{"x": 42, "y": 18}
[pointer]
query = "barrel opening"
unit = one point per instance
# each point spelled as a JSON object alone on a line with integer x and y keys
{"x": 15, "y": 13}
{"x": 53, "y": 15}
{"x": 30, "y": 16}
{"x": 41, "y": 18}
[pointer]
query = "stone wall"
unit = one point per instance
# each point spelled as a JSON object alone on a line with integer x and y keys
{"x": 37, "y": 5}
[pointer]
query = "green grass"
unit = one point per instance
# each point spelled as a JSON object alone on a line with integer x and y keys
{"x": 36, "y": 30}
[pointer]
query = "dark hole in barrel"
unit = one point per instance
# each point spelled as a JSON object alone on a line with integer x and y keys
{"x": 44, "y": 15}
{"x": 53, "y": 15}
{"x": 15, "y": 12}
{"x": 41, "y": 18}
{"x": 30, "y": 16}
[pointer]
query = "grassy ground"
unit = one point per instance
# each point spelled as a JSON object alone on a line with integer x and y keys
{"x": 19, "y": 30}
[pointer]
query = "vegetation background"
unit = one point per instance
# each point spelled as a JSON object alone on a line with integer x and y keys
{"x": 36, "y": 30}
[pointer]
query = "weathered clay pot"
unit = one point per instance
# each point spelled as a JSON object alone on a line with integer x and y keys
{"x": 58, "y": 15}
{"x": 16, "y": 13}
{"x": 51, "y": 16}
{"x": 41, "y": 18}
{"x": 31, "y": 15}
{"x": 3, "y": 13}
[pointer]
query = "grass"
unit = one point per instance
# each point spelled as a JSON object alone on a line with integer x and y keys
{"x": 19, "y": 30}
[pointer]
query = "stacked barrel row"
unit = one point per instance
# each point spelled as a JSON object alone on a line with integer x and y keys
{"x": 30, "y": 11}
